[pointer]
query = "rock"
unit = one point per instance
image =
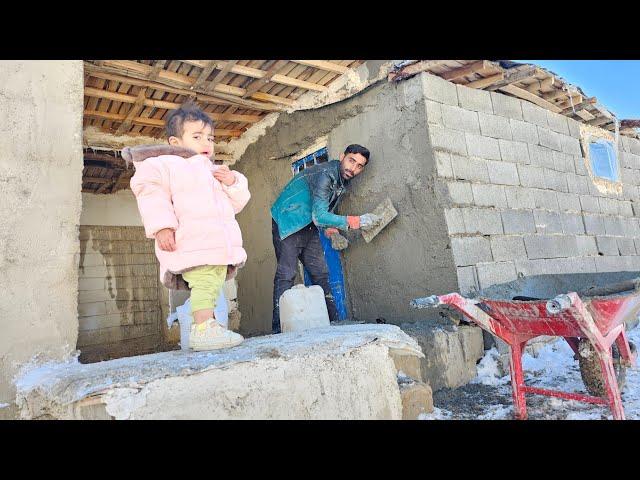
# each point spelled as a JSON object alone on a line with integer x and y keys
{"x": 416, "y": 398}
{"x": 451, "y": 354}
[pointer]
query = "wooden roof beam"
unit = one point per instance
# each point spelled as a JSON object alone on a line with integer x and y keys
{"x": 413, "y": 69}
{"x": 513, "y": 75}
{"x": 151, "y": 122}
{"x": 210, "y": 97}
{"x": 149, "y": 102}
{"x": 470, "y": 69}
{"x": 485, "y": 82}
{"x": 523, "y": 94}
{"x": 206, "y": 71}
{"x": 261, "y": 82}
{"x": 134, "y": 111}
{"x": 324, "y": 65}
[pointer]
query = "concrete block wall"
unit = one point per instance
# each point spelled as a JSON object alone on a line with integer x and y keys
{"x": 119, "y": 298}
{"x": 518, "y": 196}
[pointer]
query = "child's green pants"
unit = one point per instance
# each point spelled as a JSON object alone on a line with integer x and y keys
{"x": 205, "y": 283}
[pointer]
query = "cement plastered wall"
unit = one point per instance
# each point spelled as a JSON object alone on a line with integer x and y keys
{"x": 117, "y": 209}
{"x": 520, "y": 198}
{"x": 40, "y": 184}
{"x": 410, "y": 259}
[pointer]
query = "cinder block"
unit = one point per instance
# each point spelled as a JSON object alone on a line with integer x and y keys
{"x": 630, "y": 176}
{"x": 489, "y": 195}
{"x": 614, "y": 226}
{"x": 556, "y": 180}
{"x": 629, "y": 160}
{"x": 518, "y": 221}
{"x": 581, "y": 165}
{"x": 540, "y": 156}
{"x": 550, "y": 246}
{"x": 608, "y": 206}
{"x": 460, "y": 192}
{"x": 502, "y": 173}
{"x": 563, "y": 162}
{"x": 548, "y": 138}
{"x": 530, "y": 268}
{"x": 625, "y": 208}
{"x": 474, "y": 99}
{"x": 570, "y": 145}
{"x": 494, "y": 126}
{"x": 455, "y": 222}
{"x": 434, "y": 112}
{"x": 439, "y": 90}
{"x": 614, "y": 264}
{"x": 534, "y": 114}
{"x": 593, "y": 224}
{"x": 482, "y": 221}
{"x": 507, "y": 247}
{"x": 631, "y": 227}
{"x": 506, "y": 106}
{"x": 572, "y": 223}
{"x": 99, "y": 271}
{"x": 531, "y": 176}
{"x": 574, "y": 128}
{"x": 516, "y": 152}
{"x": 443, "y": 164}
{"x": 571, "y": 265}
{"x": 577, "y": 184}
{"x": 92, "y": 309}
{"x": 448, "y": 140}
{"x": 586, "y": 246}
{"x": 467, "y": 280}
{"x": 460, "y": 119}
{"x": 590, "y": 204}
{"x": 557, "y": 122}
{"x": 569, "y": 202}
{"x": 626, "y": 246}
{"x": 92, "y": 260}
{"x": 634, "y": 145}
{"x": 546, "y": 199}
{"x": 495, "y": 273}
{"x": 473, "y": 169}
{"x": 524, "y": 132}
{"x": 483, "y": 147}
{"x": 470, "y": 250}
{"x": 637, "y": 242}
{"x": 547, "y": 222}
{"x": 519, "y": 197}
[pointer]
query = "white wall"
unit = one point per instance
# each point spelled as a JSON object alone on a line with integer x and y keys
{"x": 117, "y": 209}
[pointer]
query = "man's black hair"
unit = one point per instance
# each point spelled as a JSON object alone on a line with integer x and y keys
{"x": 355, "y": 148}
{"x": 188, "y": 112}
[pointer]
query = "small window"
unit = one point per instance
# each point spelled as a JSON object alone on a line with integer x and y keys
{"x": 319, "y": 156}
{"x": 602, "y": 156}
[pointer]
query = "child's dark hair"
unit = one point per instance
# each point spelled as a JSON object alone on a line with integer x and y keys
{"x": 355, "y": 148}
{"x": 188, "y": 112}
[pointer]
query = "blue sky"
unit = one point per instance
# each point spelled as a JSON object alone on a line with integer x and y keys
{"x": 615, "y": 83}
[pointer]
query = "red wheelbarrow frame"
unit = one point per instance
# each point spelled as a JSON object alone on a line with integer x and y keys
{"x": 599, "y": 319}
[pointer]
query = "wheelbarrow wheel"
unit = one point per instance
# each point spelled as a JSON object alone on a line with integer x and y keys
{"x": 590, "y": 369}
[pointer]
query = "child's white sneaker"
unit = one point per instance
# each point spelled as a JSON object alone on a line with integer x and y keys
{"x": 210, "y": 335}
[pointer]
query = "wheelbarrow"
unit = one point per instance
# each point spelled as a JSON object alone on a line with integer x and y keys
{"x": 592, "y": 323}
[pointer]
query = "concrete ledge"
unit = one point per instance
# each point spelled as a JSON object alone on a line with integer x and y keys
{"x": 345, "y": 372}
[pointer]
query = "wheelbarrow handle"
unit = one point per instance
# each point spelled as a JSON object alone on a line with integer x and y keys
{"x": 425, "y": 302}
{"x": 558, "y": 304}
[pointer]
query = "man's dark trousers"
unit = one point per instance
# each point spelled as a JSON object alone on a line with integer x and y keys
{"x": 304, "y": 245}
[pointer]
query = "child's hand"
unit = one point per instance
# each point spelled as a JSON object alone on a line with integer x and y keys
{"x": 166, "y": 240}
{"x": 224, "y": 175}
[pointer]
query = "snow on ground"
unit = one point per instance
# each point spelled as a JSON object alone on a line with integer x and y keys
{"x": 488, "y": 396}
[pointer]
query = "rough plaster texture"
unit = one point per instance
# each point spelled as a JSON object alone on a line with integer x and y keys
{"x": 382, "y": 276}
{"x": 40, "y": 183}
{"x": 342, "y": 372}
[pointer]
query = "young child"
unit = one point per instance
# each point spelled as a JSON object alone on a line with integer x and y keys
{"x": 188, "y": 204}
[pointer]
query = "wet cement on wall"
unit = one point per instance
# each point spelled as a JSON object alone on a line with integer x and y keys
{"x": 410, "y": 258}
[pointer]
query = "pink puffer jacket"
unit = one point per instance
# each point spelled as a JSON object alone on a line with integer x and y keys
{"x": 175, "y": 188}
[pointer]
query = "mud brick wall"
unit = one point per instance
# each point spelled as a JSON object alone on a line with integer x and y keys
{"x": 120, "y": 298}
{"x": 517, "y": 193}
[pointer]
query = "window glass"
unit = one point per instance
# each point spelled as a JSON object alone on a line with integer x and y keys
{"x": 604, "y": 163}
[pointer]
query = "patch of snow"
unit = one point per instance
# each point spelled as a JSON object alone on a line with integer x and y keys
{"x": 497, "y": 412}
{"x": 489, "y": 371}
{"x": 437, "y": 414}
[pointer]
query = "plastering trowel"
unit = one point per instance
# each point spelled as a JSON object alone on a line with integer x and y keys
{"x": 387, "y": 212}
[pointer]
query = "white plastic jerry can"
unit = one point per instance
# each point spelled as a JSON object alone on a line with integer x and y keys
{"x": 302, "y": 308}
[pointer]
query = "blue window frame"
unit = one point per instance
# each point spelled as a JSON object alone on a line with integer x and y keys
{"x": 314, "y": 158}
{"x": 604, "y": 163}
